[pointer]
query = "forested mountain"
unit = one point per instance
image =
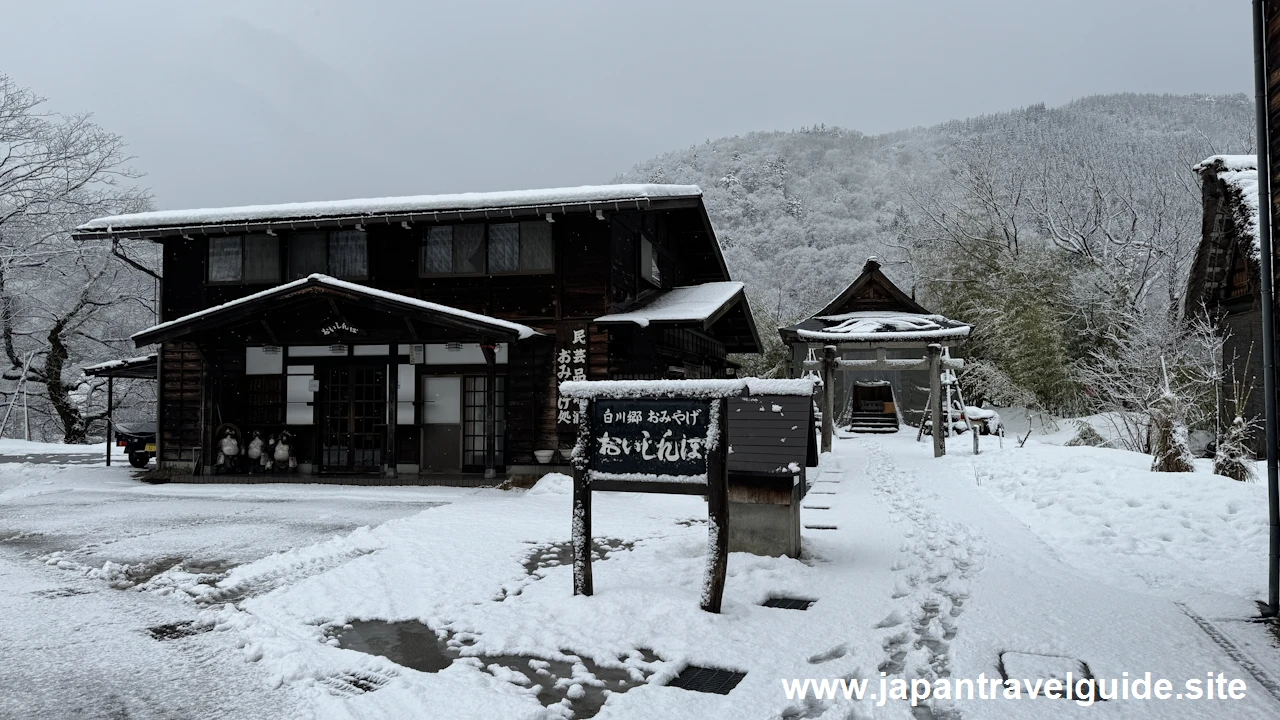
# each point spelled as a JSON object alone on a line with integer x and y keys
{"x": 798, "y": 212}
{"x": 1063, "y": 234}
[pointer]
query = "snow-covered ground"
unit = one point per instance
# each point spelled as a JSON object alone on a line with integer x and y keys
{"x": 1021, "y": 558}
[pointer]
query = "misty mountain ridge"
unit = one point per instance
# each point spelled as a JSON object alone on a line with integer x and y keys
{"x": 798, "y": 212}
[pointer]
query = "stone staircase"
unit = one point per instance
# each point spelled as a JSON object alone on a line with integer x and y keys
{"x": 872, "y": 422}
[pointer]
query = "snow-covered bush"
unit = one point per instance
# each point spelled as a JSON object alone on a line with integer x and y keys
{"x": 1145, "y": 356}
{"x": 1234, "y": 456}
{"x": 1172, "y": 446}
{"x": 1087, "y": 435}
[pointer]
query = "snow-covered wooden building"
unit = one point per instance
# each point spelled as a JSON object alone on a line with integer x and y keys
{"x": 873, "y": 320}
{"x": 423, "y": 337}
{"x": 1225, "y": 279}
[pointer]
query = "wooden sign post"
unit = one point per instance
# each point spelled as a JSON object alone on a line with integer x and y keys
{"x": 631, "y": 439}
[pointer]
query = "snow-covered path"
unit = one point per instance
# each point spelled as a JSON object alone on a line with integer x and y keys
{"x": 1025, "y": 598}
{"x": 1032, "y": 560}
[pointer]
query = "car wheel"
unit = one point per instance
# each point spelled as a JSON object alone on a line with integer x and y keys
{"x": 139, "y": 458}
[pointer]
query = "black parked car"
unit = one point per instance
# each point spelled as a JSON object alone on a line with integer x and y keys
{"x": 138, "y": 440}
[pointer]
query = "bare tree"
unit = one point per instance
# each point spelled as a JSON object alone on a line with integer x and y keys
{"x": 63, "y": 303}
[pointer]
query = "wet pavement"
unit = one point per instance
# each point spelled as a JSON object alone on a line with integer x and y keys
{"x": 92, "y": 646}
{"x": 577, "y": 683}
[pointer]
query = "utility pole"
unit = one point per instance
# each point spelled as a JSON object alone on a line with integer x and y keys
{"x": 1268, "y": 308}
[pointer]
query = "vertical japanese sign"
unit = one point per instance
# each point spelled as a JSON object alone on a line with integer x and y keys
{"x": 571, "y": 364}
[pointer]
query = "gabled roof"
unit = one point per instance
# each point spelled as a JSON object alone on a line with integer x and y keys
{"x": 239, "y": 310}
{"x": 1229, "y": 230}
{"x": 254, "y": 218}
{"x": 871, "y": 290}
{"x": 872, "y": 310}
{"x": 701, "y": 306}
{"x": 877, "y": 326}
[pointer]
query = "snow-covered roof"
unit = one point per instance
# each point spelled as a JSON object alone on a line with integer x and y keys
{"x": 694, "y": 303}
{"x": 1240, "y": 174}
{"x": 590, "y": 389}
{"x": 473, "y": 201}
{"x": 523, "y": 331}
{"x": 111, "y": 364}
{"x": 143, "y": 366}
{"x": 1228, "y": 162}
{"x": 879, "y": 326}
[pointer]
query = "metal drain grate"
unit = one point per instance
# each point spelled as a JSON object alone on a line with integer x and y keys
{"x": 821, "y": 492}
{"x": 816, "y": 507}
{"x": 820, "y": 527}
{"x": 707, "y": 680}
{"x": 788, "y": 603}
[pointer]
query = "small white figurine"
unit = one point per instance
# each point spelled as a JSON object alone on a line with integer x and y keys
{"x": 267, "y": 463}
{"x": 283, "y": 453}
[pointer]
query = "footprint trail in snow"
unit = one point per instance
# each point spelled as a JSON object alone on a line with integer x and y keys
{"x": 931, "y": 587}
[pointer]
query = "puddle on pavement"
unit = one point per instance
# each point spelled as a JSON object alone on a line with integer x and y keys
{"x": 139, "y": 573}
{"x": 580, "y": 685}
{"x": 35, "y": 543}
{"x": 60, "y": 592}
{"x": 561, "y": 553}
{"x": 175, "y": 631}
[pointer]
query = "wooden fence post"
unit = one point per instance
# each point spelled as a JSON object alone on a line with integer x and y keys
{"x": 934, "y": 352}
{"x": 581, "y": 538}
{"x": 828, "y": 395}
{"x": 717, "y": 512}
{"x": 393, "y": 413}
{"x": 110, "y": 421}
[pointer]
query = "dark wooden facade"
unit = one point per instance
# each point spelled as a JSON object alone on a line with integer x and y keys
{"x": 1225, "y": 279}
{"x": 595, "y": 271}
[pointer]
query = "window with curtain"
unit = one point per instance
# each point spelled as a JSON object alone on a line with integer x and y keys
{"x": 307, "y": 254}
{"x": 348, "y": 254}
{"x": 437, "y": 251}
{"x": 535, "y": 247}
{"x": 468, "y": 249}
{"x": 504, "y": 248}
{"x": 261, "y": 259}
{"x": 474, "y": 249}
{"x": 225, "y": 259}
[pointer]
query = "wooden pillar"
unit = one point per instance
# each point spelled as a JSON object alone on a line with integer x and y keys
{"x": 934, "y": 353}
{"x": 110, "y": 423}
{"x": 490, "y": 409}
{"x": 718, "y": 512}
{"x": 828, "y": 395}
{"x": 581, "y": 535}
{"x": 393, "y": 411}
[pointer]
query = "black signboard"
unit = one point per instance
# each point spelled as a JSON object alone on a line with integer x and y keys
{"x": 650, "y": 439}
{"x": 653, "y": 444}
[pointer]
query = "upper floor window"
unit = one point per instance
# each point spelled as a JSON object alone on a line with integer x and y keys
{"x": 340, "y": 253}
{"x": 494, "y": 249}
{"x": 649, "y": 263}
{"x": 244, "y": 259}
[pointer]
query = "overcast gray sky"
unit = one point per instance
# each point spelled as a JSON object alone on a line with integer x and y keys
{"x": 235, "y": 102}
